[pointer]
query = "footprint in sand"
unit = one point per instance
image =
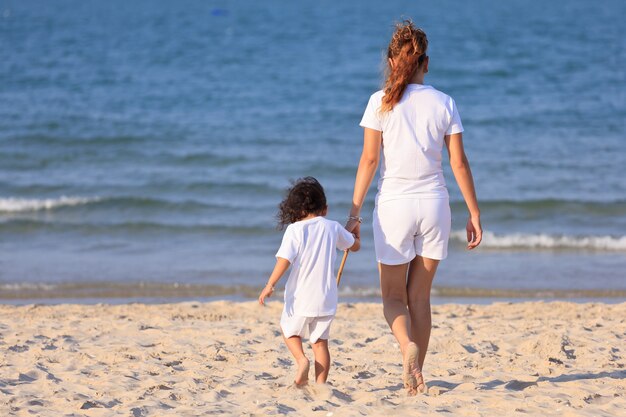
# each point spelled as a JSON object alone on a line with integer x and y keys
{"x": 363, "y": 375}
{"x": 516, "y": 385}
{"x": 598, "y": 399}
{"x": 28, "y": 377}
{"x": 19, "y": 348}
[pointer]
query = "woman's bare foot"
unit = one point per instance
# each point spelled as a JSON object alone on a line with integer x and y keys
{"x": 302, "y": 376}
{"x": 409, "y": 368}
{"x": 421, "y": 387}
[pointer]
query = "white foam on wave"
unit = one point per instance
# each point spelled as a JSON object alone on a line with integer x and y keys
{"x": 548, "y": 242}
{"x": 19, "y": 205}
{"x": 27, "y": 286}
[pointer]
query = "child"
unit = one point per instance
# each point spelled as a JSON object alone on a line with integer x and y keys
{"x": 309, "y": 246}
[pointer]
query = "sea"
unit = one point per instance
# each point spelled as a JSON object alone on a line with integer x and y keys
{"x": 146, "y": 145}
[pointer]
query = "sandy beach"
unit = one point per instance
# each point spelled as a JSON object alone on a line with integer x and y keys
{"x": 227, "y": 358}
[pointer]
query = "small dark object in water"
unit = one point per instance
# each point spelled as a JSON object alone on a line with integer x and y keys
{"x": 219, "y": 12}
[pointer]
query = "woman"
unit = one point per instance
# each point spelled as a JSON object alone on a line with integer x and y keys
{"x": 410, "y": 122}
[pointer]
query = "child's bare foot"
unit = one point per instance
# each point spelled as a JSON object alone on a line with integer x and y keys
{"x": 409, "y": 368}
{"x": 302, "y": 376}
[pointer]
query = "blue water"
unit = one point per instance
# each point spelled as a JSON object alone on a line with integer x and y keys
{"x": 151, "y": 141}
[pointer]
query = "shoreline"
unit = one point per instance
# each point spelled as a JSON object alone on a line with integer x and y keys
{"x": 172, "y": 292}
{"x": 435, "y": 300}
{"x": 190, "y": 358}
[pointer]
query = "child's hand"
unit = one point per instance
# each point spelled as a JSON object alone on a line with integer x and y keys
{"x": 266, "y": 293}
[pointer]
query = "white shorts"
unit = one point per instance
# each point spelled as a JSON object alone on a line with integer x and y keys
{"x": 314, "y": 328}
{"x": 406, "y": 227}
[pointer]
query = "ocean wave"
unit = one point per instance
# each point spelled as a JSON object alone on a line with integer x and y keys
{"x": 89, "y": 140}
{"x": 534, "y": 206}
{"x": 542, "y": 241}
{"x": 21, "y": 205}
{"x": 136, "y": 227}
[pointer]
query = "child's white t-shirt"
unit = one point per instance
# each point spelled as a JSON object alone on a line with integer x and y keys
{"x": 413, "y": 135}
{"x": 311, "y": 248}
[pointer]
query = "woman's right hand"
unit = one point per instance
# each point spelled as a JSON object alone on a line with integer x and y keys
{"x": 474, "y": 232}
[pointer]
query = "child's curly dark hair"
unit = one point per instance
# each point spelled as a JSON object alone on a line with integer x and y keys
{"x": 306, "y": 196}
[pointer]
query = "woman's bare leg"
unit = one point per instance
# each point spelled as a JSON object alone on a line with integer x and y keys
{"x": 394, "y": 293}
{"x": 420, "y": 278}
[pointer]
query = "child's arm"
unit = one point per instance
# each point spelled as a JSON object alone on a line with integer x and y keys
{"x": 345, "y": 238}
{"x": 281, "y": 266}
{"x": 357, "y": 243}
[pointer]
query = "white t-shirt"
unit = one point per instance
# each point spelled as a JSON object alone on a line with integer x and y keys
{"x": 311, "y": 248}
{"x": 413, "y": 140}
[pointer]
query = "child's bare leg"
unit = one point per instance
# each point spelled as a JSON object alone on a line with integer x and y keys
{"x": 294, "y": 343}
{"x": 322, "y": 360}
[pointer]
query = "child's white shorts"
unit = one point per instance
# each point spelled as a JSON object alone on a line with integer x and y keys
{"x": 313, "y": 328}
{"x": 406, "y": 227}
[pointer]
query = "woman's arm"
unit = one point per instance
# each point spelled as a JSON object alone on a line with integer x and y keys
{"x": 463, "y": 175}
{"x": 368, "y": 164}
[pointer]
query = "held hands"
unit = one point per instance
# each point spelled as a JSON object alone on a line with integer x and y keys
{"x": 354, "y": 226}
{"x": 474, "y": 232}
{"x": 266, "y": 293}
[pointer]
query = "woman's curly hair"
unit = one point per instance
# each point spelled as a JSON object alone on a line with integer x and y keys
{"x": 407, "y": 48}
{"x": 306, "y": 196}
